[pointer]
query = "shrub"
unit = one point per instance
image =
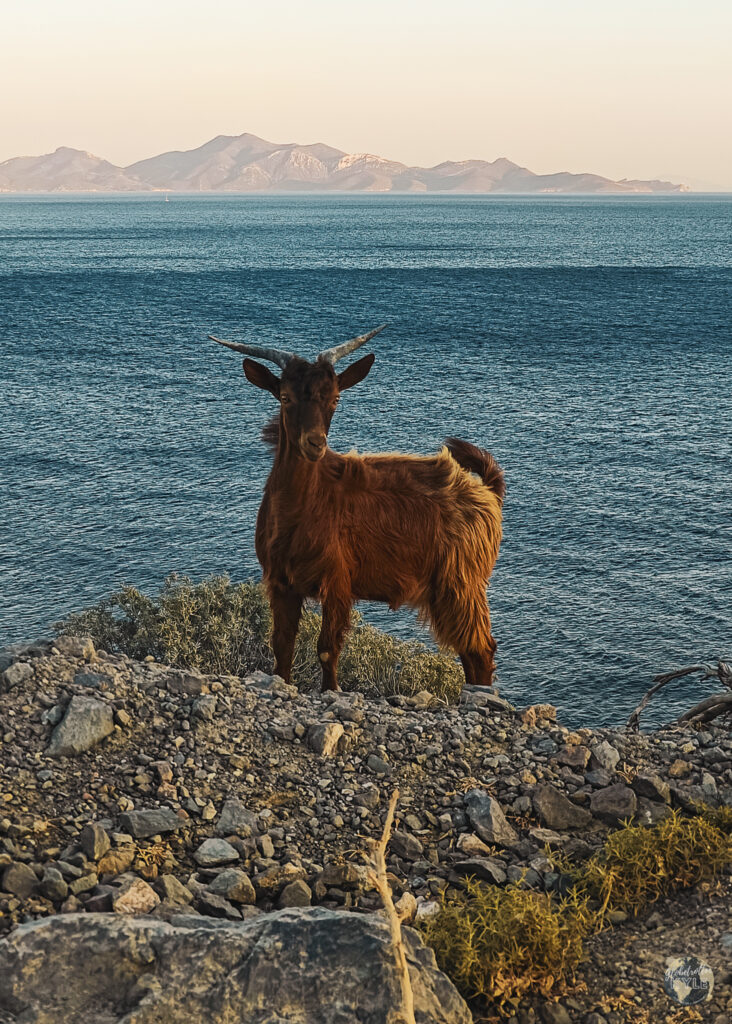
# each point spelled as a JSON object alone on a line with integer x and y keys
{"x": 637, "y": 865}
{"x": 223, "y": 628}
{"x": 500, "y": 944}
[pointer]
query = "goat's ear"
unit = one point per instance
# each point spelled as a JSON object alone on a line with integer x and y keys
{"x": 261, "y": 377}
{"x": 356, "y": 372}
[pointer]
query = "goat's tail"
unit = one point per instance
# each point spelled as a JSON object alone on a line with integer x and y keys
{"x": 480, "y": 462}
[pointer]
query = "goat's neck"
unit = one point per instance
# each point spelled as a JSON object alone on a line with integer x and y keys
{"x": 291, "y": 472}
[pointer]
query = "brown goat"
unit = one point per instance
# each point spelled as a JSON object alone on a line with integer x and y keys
{"x": 421, "y": 531}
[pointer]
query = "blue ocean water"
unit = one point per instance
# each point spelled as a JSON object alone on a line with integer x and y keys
{"x": 584, "y": 341}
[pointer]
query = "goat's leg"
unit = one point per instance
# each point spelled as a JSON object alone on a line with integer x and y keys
{"x": 286, "y": 611}
{"x": 336, "y": 622}
{"x": 461, "y": 620}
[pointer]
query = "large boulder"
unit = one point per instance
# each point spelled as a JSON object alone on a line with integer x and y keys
{"x": 313, "y": 966}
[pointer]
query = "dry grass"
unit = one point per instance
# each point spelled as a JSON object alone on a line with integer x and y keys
{"x": 498, "y": 945}
{"x": 638, "y": 866}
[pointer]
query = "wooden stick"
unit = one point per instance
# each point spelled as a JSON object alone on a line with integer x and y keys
{"x": 379, "y": 880}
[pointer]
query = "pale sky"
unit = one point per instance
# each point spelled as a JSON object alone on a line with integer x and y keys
{"x": 633, "y": 88}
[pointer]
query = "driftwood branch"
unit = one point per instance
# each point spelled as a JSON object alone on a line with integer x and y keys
{"x": 703, "y": 712}
{"x": 379, "y": 880}
{"x": 708, "y": 709}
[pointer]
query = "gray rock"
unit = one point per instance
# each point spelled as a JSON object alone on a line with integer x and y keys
{"x": 484, "y": 697}
{"x": 324, "y": 736}
{"x": 604, "y": 755}
{"x": 53, "y": 886}
{"x": 20, "y": 880}
{"x": 556, "y": 811}
{"x": 599, "y": 778}
{"x": 234, "y": 884}
{"x": 614, "y": 803}
{"x": 406, "y": 846}
{"x": 652, "y": 787}
{"x": 378, "y": 765}
{"x": 171, "y": 890}
{"x": 83, "y": 884}
{"x": 484, "y": 868}
{"x": 153, "y": 822}
{"x": 87, "y": 722}
{"x": 272, "y": 967}
{"x": 344, "y": 876}
{"x": 555, "y": 1013}
{"x": 236, "y": 820}
{"x": 94, "y": 841}
{"x": 213, "y": 852}
{"x": 487, "y": 818}
{"x": 266, "y": 846}
{"x": 204, "y": 708}
{"x": 271, "y": 882}
{"x": 15, "y": 674}
{"x": 92, "y": 680}
{"x": 216, "y": 906}
{"x": 296, "y": 894}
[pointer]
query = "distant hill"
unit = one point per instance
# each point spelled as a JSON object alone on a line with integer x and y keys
{"x": 246, "y": 163}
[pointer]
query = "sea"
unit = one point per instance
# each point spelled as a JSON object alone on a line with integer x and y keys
{"x": 584, "y": 340}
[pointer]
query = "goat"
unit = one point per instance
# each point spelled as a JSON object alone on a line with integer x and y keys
{"x": 422, "y": 531}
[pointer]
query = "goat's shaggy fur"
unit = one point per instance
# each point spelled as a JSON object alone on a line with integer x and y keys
{"x": 421, "y": 531}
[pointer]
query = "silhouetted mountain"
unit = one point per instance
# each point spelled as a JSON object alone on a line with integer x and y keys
{"x": 246, "y": 163}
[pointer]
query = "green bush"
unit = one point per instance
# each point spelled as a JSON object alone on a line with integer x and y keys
{"x": 224, "y": 628}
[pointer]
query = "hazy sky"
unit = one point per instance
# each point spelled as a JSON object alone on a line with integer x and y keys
{"x": 634, "y": 88}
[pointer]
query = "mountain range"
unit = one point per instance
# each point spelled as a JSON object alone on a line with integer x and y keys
{"x": 246, "y": 163}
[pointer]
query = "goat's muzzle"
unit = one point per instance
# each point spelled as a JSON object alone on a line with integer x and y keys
{"x": 313, "y": 446}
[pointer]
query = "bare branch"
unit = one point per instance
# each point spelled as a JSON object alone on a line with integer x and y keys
{"x": 721, "y": 671}
{"x": 332, "y": 355}
{"x": 379, "y": 880}
{"x": 272, "y": 355}
{"x": 706, "y": 710}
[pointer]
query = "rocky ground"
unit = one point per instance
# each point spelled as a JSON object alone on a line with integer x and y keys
{"x": 137, "y": 788}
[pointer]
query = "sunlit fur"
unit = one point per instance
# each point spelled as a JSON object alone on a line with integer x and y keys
{"x": 421, "y": 531}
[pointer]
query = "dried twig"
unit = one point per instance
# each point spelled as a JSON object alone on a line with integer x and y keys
{"x": 721, "y": 671}
{"x": 379, "y": 880}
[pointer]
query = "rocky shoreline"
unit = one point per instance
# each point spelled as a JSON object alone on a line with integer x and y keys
{"x": 135, "y": 788}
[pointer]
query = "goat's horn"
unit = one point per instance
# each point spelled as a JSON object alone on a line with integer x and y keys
{"x": 332, "y": 355}
{"x": 272, "y": 355}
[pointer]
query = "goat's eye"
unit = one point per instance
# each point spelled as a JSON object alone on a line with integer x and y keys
{"x": 284, "y": 399}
